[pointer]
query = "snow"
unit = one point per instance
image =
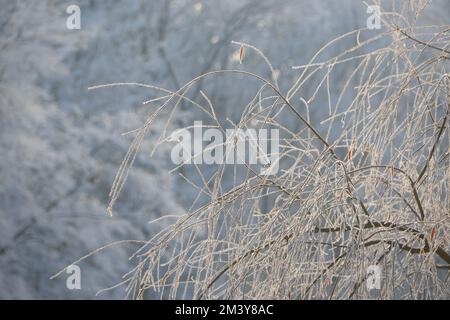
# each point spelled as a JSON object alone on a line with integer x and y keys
{"x": 61, "y": 144}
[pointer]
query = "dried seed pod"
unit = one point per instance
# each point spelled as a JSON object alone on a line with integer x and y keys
{"x": 433, "y": 233}
{"x": 241, "y": 54}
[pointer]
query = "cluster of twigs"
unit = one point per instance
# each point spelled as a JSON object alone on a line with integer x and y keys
{"x": 368, "y": 186}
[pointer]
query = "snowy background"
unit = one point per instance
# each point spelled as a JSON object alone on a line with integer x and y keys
{"x": 61, "y": 144}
